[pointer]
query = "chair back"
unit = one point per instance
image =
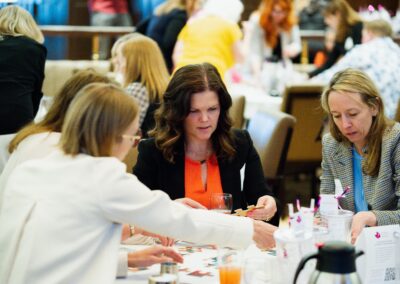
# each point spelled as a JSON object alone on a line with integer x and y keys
{"x": 303, "y": 102}
{"x": 57, "y": 72}
{"x": 271, "y": 132}
{"x": 236, "y": 112}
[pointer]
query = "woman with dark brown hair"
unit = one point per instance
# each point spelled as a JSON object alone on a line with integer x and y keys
{"x": 347, "y": 25}
{"x": 194, "y": 151}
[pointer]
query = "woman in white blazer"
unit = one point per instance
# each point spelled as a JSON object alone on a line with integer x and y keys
{"x": 62, "y": 215}
{"x": 38, "y": 140}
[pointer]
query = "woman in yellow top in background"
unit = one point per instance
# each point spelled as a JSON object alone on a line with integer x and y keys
{"x": 212, "y": 36}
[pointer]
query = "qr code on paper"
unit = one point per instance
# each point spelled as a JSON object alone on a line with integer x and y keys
{"x": 390, "y": 274}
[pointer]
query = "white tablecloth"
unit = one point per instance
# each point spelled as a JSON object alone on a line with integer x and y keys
{"x": 197, "y": 258}
{"x": 256, "y": 98}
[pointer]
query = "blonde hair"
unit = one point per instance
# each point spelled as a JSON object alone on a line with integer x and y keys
{"x": 120, "y": 41}
{"x": 358, "y": 83}
{"x": 348, "y": 17}
{"x": 54, "y": 118}
{"x": 16, "y": 21}
{"x": 379, "y": 28}
{"x": 145, "y": 63}
{"x": 169, "y": 5}
{"x": 97, "y": 119}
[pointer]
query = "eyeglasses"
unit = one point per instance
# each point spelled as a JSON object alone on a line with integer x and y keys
{"x": 134, "y": 139}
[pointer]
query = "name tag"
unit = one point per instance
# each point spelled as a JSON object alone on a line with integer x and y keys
{"x": 381, "y": 262}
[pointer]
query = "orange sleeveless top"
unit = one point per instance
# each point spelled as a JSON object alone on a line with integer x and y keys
{"x": 194, "y": 187}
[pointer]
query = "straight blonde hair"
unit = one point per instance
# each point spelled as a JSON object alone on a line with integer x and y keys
{"x": 97, "y": 119}
{"x": 145, "y": 63}
{"x": 16, "y": 21}
{"x": 54, "y": 119}
{"x": 358, "y": 83}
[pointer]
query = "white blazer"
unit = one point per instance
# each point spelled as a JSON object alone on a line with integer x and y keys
{"x": 61, "y": 220}
{"x": 35, "y": 146}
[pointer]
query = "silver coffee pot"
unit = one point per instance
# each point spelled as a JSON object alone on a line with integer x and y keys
{"x": 336, "y": 264}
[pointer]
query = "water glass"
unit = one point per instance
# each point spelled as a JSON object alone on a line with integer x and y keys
{"x": 221, "y": 202}
{"x": 339, "y": 225}
{"x": 229, "y": 266}
{"x": 257, "y": 270}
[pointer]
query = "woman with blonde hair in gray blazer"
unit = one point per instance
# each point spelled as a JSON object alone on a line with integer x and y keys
{"x": 362, "y": 151}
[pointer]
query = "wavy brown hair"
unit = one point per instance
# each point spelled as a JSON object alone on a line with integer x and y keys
{"x": 270, "y": 30}
{"x": 54, "y": 119}
{"x": 169, "y": 129}
{"x": 358, "y": 83}
{"x": 348, "y": 17}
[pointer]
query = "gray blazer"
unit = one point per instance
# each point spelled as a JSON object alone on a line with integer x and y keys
{"x": 382, "y": 192}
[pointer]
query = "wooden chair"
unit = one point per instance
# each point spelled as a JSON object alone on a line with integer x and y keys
{"x": 271, "y": 132}
{"x": 305, "y": 150}
{"x": 237, "y": 111}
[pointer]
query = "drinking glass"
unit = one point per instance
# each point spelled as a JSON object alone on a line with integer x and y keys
{"x": 229, "y": 266}
{"x": 221, "y": 202}
{"x": 339, "y": 225}
{"x": 257, "y": 270}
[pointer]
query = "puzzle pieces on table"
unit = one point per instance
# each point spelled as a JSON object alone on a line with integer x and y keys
{"x": 135, "y": 269}
{"x": 211, "y": 262}
{"x": 199, "y": 273}
{"x": 187, "y": 250}
{"x": 243, "y": 213}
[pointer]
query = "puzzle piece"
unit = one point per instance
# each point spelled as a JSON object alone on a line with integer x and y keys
{"x": 199, "y": 273}
{"x": 243, "y": 213}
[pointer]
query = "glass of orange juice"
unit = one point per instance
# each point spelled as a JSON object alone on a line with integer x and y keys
{"x": 229, "y": 266}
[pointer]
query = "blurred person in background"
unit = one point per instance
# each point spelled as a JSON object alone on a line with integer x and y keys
{"x": 164, "y": 26}
{"x": 329, "y": 41}
{"x": 108, "y": 13}
{"x": 347, "y": 25}
{"x": 273, "y": 35}
{"x": 379, "y": 57}
{"x": 212, "y": 35}
{"x": 145, "y": 76}
{"x": 22, "y": 59}
{"x": 362, "y": 151}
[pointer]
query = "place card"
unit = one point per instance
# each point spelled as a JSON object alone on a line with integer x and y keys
{"x": 338, "y": 187}
{"x": 328, "y": 204}
{"x": 381, "y": 262}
